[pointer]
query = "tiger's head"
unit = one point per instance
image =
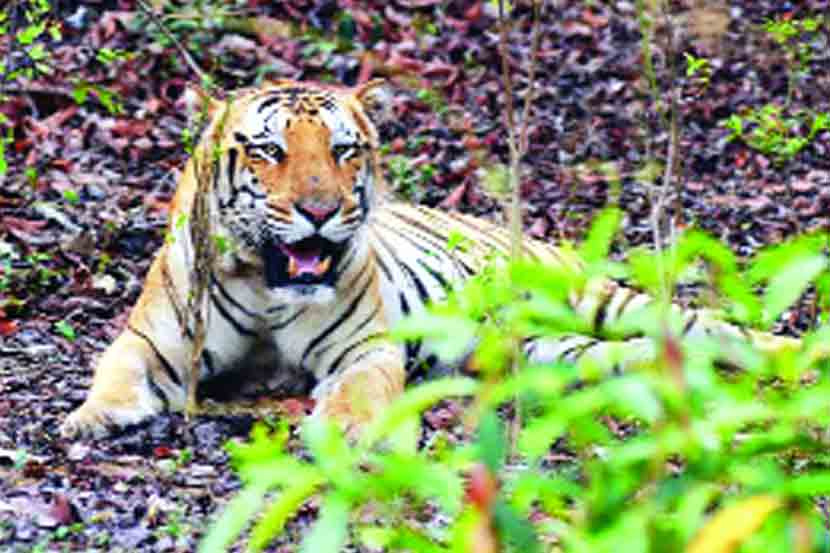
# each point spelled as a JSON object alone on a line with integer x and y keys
{"x": 296, "y": 179}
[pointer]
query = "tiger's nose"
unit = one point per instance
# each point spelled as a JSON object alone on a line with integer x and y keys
{"x": 318, "y": 212}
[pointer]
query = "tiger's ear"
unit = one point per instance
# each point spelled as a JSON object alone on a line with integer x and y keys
{"x": 200, "y": 106}
{"x": 376, "y": 99}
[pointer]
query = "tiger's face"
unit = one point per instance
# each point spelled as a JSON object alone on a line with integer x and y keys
{"x": 297, "y": 182}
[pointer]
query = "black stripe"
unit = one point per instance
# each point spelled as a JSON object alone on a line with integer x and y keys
{"x": 336, "y": 363}
{"x": 250, "y": 191}
{"x": 224, "y": 293}
{"x": 227, "y": 316}
{"x": 578, "y": 349}
{"x": 493, "y": 240}
{"x": 435, "y": 274}
{"x": 404, "y": 304}
{"x": 423, "y": 294}
{"x": 365, "y": 321}
{"x": 431, "y": 247}
{"x": 602, "y": 311}
{"x": 207, "y": 357}
{"x": 348, "y": 312}
{"x": 158, "y": 391}
{"x": 275, "y": 99}
{"x": 412, "y": 348}
{"x": 343, "y": 265}
{"x": 631, "y": 295}
{"x": 282, "y": 324}
{"x": 382, "y": 265}
{"x": 233, "y": 154}
{"x": 419, "y": 285}
{"x": 422, "y": 226}
{"x": 168, "y": 368}
{"x": 690, "y": 323}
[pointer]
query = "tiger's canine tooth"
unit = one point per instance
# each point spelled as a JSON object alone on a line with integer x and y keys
{"x": 322, "y": 267}
{"x": 293, "y": 269}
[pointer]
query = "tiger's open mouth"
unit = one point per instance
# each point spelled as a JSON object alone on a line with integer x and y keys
{"x": 311, "y": 261}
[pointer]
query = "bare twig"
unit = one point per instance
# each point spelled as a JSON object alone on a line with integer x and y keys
{"x": 202, "y": 239}
{"x": 200, "y": 232}
{"x": 188, "y": 59}
{"x": 517, "y": 145}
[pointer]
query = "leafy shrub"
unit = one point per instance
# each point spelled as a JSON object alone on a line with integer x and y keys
{"x": 777, "y": 130}
{"x": 675, "y": 452}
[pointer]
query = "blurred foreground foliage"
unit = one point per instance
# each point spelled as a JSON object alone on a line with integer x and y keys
{"x": 713, "y": 458}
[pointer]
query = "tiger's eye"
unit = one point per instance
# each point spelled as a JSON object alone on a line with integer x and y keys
{"x": 341, "y": 150}
{"x": 274, "y": 151}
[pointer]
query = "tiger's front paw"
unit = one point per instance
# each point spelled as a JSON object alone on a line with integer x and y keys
{"x": 97, "y": 420}
{"x": 350, "y": 421}
{"x": 358, "y": 397}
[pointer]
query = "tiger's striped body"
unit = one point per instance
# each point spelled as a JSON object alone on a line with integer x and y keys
{"x": 319, "y": 272}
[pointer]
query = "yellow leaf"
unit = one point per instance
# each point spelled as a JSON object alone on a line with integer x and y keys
{"x": 732, "y": 525}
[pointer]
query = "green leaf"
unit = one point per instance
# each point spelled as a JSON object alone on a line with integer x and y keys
{"x": 515, "y": 529}
{"x": 376, "y": 538}
{"x": 330, "y": 531}
{"x": 491, "y": 439}
{"x": 71, "y": 196}
{"x": 30, "y": 33}
{"x": 414, "y": 401}
{"x": 449, "y": 335}
{"x": 66, "y": 330}
{"x": 809, "y": 485}
{"x": 424, "y": 479}
{"x": 233, "y": 520}
{"x": 332, "y": 454}
{"x": 80, "y": 94}
{"x": 598, "y": 243}
{"x": 280, "y": 510}
{"x": 37, "y": 52}
{"x": 788, "y": 285}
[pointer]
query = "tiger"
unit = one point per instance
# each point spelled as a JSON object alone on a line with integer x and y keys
{"x": 323, "y": 265}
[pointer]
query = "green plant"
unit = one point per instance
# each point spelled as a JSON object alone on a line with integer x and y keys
{"x": 39, "y": 28}
{"x": 110, "y": 100}
{"x": 775, "y": 131}
{"x": 66, "y": 330}
{"x": 667, "y": 456}
{"x": 194, "y": 23}
{"x": 698, "y": 68}
{"x": 22, "y": 275}
{"x": 407, "y": 178}
{"x": 793, "y": 36}
{"x": 433, "y": 99}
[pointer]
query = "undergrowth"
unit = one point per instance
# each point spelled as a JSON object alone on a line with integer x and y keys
{"x": 713, "y": 455}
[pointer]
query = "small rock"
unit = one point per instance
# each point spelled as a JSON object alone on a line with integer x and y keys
{"x": 105, "y": 283}
{"x": 77, "y": 451}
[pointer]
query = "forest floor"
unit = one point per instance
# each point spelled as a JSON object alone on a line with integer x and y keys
{"x": 84, "y": 202}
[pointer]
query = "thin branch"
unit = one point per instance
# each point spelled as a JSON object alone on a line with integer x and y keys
{"x": 517, "y": 144}
{"x": 536, "y": 40}
{"x": 188, "y": 59}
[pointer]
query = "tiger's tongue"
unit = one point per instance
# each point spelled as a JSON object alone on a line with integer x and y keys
{"x": 305, "y": 261}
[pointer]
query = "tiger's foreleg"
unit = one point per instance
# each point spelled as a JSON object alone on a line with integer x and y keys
{"x": 140, "y": 374}
{"x": 372, "y": 380}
